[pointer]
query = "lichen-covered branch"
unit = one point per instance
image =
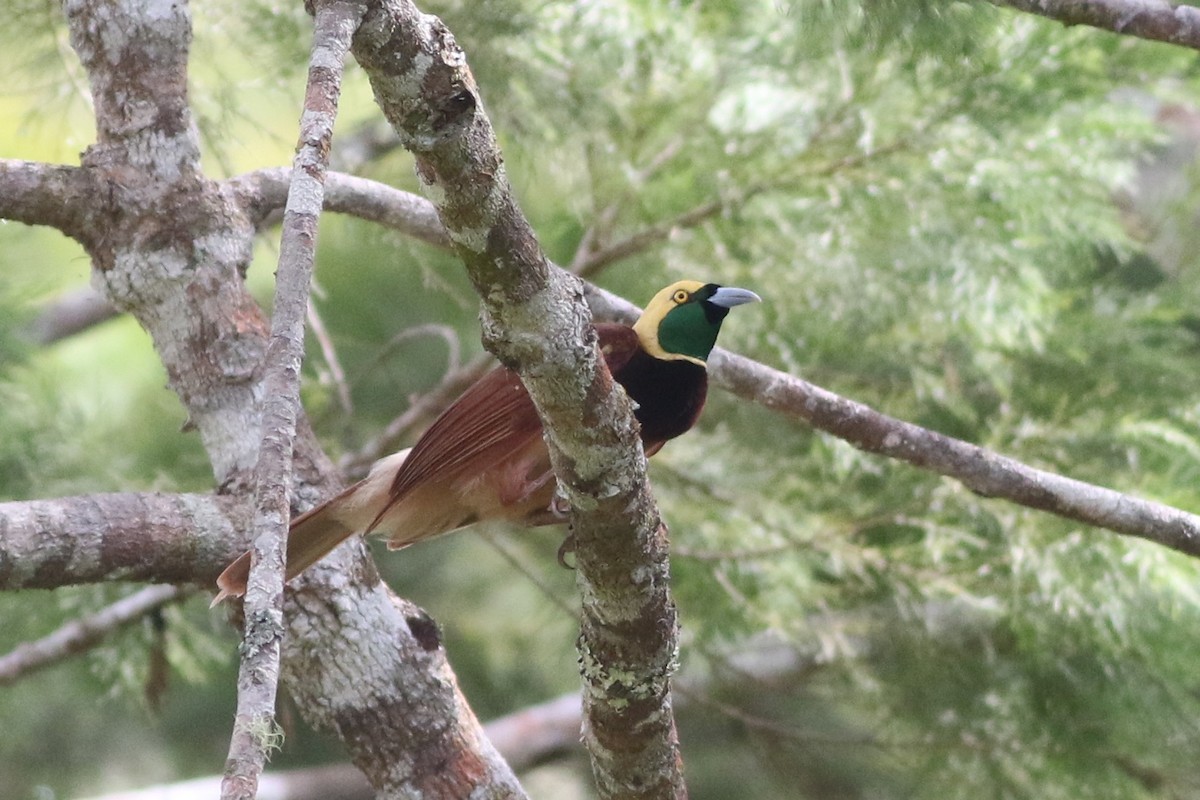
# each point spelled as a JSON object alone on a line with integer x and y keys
{"x": 1156, "y": 20}
{"x": 258, "y": 673}
{"x": 535, "y": 321}
{"x": 154, "y": 538}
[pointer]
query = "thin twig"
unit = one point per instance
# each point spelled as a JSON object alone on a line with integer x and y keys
{"x": 356, "y": 463}
{"x": 84, "y": 633}
{"x": 443, "y": 332}
{"x": 329, "y": 352}
{"x": 508, "y": 554}
{"x": 258, "y": 677}
{"x": 643, "y": 239}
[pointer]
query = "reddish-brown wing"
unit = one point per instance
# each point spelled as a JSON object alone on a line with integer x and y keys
{"x": 490, "y": 421}
{"x": 618, "y": 343}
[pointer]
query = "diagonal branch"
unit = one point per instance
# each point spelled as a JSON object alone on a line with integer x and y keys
{"x": 258, "y": 672}
{"x": 80, "y": 634}
{"x": 1156, "y": 20}
{"x": 597, "y": 260}
{"x": 535, "y": 320}
{"x": 980, "y": 470}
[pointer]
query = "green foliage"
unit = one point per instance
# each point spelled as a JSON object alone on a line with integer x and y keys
{"x": 925, "y": 193}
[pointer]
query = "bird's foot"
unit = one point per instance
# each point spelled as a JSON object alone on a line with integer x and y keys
{"x": 560, "y": 506}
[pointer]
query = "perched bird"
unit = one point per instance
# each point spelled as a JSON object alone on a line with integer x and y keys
{"x": 484, "y": 457}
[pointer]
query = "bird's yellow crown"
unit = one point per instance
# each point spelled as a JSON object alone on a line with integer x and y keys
{"x": 681, "y": 322}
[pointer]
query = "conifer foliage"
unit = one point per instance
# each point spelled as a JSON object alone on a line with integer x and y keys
{"x": 969, "y": 218}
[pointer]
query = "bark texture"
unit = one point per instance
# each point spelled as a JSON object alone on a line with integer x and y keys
{"x": 160, "y": 538}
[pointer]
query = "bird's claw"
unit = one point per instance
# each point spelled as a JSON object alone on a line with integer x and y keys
{"x": 565, "y": 549}
{"x": 560, "y": 506}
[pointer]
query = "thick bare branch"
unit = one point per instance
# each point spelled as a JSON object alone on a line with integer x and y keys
{"x": 258, "y": 673}
{"x": 1156, "y": 20}
{"x": 80, "y": 634}
{"x": 535, "y": 320}
{"x": 157, "y": 538}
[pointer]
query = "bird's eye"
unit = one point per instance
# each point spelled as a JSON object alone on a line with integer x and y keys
{"x": 680, "y": 297}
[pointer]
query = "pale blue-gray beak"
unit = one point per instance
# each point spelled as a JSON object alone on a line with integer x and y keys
{"x": 729, "y": 296}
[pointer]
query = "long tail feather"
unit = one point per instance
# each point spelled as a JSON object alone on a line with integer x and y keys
{"x": 311, "y": 536}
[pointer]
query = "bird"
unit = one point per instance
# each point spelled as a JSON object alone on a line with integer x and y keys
{"x": 484, "y": 457}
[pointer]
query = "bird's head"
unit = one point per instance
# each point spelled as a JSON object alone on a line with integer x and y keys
{"x": 681, "y": 323}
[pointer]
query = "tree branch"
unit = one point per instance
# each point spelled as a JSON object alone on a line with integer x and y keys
{"x": 980, "y": 470}
{"x": 535, "y": 320}
{"x": 333, "y": 364}
{"x": 171, "y": 247}
{"x": 158, "y": 538}
{"x": 525, "y": 738}
{"x": 258, "y": 674}
{"x": 46, "y": 194}
{"x": 1156, "y": 20}
{"x": 80, "y": 634}
{"x": 262, "y": 192}
{"x": 72, "y": 312}
{"x": 261, "y": 195}
{"x": 633, "y": 244}
{"x": 538, "y": 733}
